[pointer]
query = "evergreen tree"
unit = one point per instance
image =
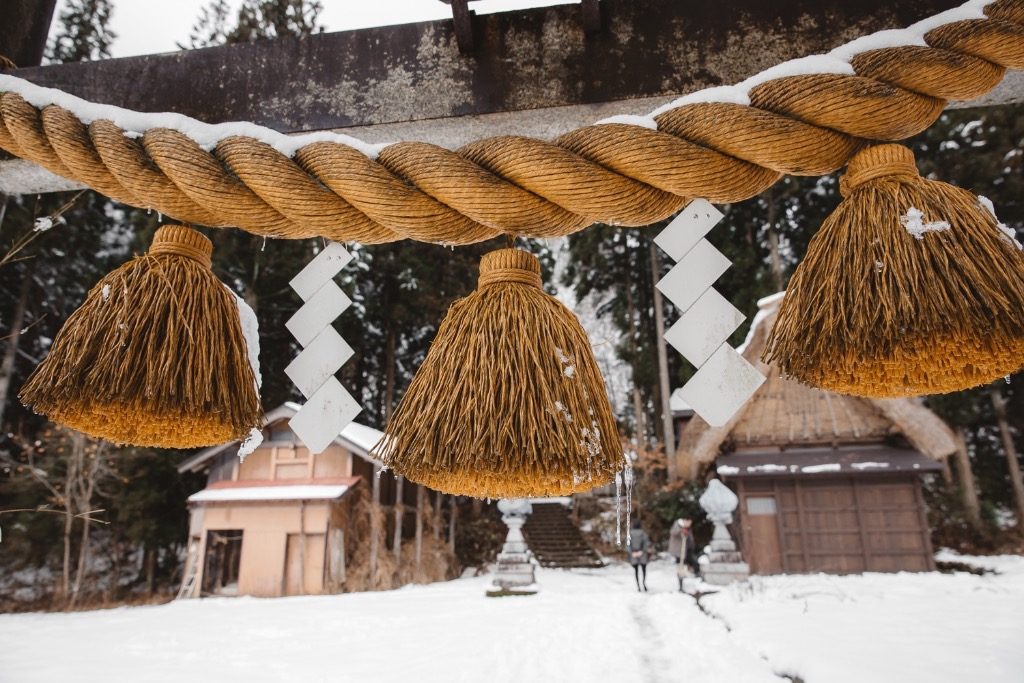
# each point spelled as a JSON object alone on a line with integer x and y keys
{"x": 83, "y": 33}
{"x": 254, "y": 20}
{"x": 981, "y": 151}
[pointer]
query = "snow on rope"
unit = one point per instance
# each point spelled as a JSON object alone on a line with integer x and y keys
{"x": 804, "y": 117}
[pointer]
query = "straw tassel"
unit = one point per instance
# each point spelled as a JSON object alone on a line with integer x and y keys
{"x": 155, "y": 356}
{"x": 509, "y": 401}
{"x": 911, "y": 287}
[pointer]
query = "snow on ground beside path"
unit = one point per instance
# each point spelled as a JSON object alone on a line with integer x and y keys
{"x": 584, "y": 626}
{"x": 883, "y": 628}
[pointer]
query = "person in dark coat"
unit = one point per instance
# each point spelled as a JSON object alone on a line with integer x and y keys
{"x": 640, "y": 547}
{"x": 683, "y": 548}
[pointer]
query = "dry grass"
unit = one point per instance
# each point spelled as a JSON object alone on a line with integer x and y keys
{"x": 436, "y": 564}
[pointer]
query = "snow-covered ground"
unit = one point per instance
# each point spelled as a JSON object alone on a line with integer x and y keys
{"x": 885, "y": 627}
{"x": 584, "y": 626}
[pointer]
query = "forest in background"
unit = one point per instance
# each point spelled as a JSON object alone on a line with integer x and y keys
{"x": 107, "y": 524}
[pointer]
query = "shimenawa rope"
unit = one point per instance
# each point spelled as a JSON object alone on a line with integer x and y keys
{"x": 611, "y": 173}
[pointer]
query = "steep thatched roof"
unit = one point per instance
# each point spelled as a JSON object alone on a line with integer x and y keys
{"x": 785, "y": 413}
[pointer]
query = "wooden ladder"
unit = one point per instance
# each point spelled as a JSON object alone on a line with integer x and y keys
{"x": 191, "y": 571}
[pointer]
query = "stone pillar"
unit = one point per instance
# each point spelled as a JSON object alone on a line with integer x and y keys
{"x": 726, "y": 564}
{"x": 514, "y": 574}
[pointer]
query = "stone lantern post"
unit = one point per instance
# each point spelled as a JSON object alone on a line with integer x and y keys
{"x": 514, "y": 574}
{"x": 726, "y": 564}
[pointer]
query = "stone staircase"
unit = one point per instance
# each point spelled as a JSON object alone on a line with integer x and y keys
{"x": 555, "y": 540}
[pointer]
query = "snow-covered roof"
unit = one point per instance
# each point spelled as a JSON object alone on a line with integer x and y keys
{"x": 865, "y": 459}
{"x": 357, "y": 438}
{"x": 241, "y": 491}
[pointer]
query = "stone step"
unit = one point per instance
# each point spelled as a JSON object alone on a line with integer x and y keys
{"x": 555, "y": 540}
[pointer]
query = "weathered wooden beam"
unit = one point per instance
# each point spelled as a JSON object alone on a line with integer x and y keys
{"x": 523, "y": 60}
{"x": 534, "y": 72}
{"x": 23, "y": 31}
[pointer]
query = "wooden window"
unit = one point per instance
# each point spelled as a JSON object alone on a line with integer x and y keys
{"x": 760, "y": 505}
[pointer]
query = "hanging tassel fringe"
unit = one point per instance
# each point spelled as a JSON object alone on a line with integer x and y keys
{"x": 509, "y": 401}
{"x": 911, "y": 287}
{"x": 155, "y": 356}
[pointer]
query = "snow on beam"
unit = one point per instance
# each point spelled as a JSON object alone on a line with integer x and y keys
{"x": 532, "y": 59}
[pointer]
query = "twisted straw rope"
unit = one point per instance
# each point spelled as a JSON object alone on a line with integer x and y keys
{"x": 610, "y": 173}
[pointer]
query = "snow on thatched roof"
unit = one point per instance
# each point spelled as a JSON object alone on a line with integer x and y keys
{"x": 785, "y": 413}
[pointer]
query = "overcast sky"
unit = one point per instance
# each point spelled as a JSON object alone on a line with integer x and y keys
{"x": 150, "y": 26}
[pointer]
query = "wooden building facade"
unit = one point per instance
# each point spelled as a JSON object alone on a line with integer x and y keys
{"x": 843, "y": 520}
{"x": 275, "y": 523}
{"x": 826, "y": 482}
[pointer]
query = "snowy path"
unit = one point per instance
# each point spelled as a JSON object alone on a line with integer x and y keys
{"x": 585, "y": 626}
{"x": 582, "y": 627}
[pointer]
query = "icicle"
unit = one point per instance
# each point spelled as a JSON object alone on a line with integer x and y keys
{"x": 264, "y": 247}
{"x": 618, "y": 509}
{"x": 627, "y": 475}
{"x": 1007, "y": 379}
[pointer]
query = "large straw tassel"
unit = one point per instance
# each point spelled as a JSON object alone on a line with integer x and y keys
{"x": 911, "y": 287}
{"x": 155, "y": 356}
{"x": 509, "y": 401}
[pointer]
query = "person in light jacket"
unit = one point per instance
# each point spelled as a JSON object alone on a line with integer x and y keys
{"x": 683, "y": 548}
{"x": 640, "y": 547}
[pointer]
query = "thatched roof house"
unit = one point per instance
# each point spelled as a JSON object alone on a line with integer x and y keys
{"x": 811, "y": 462}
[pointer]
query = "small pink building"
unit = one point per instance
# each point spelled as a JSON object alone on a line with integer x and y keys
{"x": 275, "y": 523}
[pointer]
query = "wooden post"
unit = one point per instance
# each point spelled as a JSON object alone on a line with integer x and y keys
{"x": 780, "y": 520}
{"x": 669, "y": 438}
{"x": 420, "y": 494}
{"x": 865, "y": 540}
{"x": 1010, "y": 450}
{"x": 968, "y": 488}
{"x": 374, "y": 525}
{"x": 302, "y": 547}
{"x": 438, "y": 515}
{"x": 926, "y": 534}
{"x": 803, "y": 525}
{"x": 454, "y": 512}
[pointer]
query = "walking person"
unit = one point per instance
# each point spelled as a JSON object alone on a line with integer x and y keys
{"x": 683, "y": 549}
{"x": 639, "y": 554}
